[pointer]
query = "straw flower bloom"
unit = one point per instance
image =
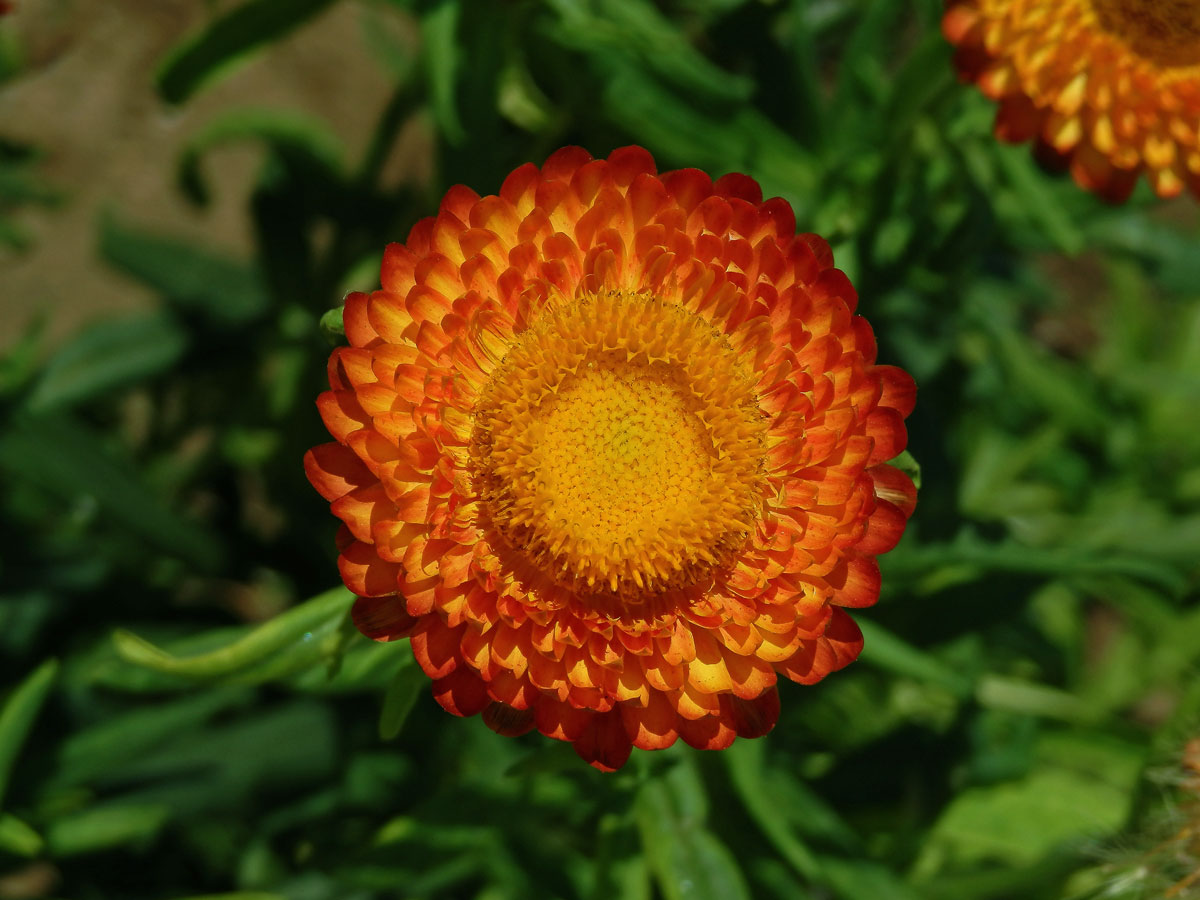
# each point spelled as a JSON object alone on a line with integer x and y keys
{"x": 1109, "y": 88}
{"x": 611, "y": 451}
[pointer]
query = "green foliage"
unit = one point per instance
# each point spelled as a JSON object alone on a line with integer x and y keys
{"x": 227, "y": 40}
{"x": 207, "y": 733}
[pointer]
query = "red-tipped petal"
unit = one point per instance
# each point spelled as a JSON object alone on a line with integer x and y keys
{"x": 507, "y": 721}
{"x": 604, "y": 742}
{"x": 382, "y": 618}
{"x": 754, "y": 718}
{"x": 461, "y": 693}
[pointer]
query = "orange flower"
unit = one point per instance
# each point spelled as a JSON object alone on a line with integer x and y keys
{"x": 1110, "y": 88}
{"x": 611, "y": 452}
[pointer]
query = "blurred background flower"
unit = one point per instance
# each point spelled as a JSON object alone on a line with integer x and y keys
{"x": 186, "y": 188}
{"x": 1107, "y": 88}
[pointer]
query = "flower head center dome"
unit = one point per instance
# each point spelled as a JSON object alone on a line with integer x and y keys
{"x": 619, "y": 446}
{"x": 1166, "y": 31}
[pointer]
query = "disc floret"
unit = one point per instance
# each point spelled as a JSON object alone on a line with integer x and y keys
{"x": 619, "y": 446}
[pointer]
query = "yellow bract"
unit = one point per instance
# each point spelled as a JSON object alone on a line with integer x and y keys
{"x": 620, "y": 447}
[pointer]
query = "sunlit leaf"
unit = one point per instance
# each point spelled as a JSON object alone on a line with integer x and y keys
{"x": 294, "y": 627}
{"x": 18, "y": 714}
{"x": 18, "y": 838}
{"x": 105, "y": 827}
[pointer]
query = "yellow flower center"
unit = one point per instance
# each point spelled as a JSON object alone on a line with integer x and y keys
{"x": 1165, "y": 31}
{"x": 620, "y": 447}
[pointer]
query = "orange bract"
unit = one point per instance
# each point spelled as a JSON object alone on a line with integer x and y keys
{"x": 611, "y": 451}
{"x": 1110, "y": 88}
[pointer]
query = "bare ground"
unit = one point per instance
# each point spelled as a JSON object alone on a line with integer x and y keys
{"x": 86, "y": 98}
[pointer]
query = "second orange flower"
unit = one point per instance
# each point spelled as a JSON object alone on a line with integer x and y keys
{"x": 1108, "y": 88}
{"x": 611, "y": 449}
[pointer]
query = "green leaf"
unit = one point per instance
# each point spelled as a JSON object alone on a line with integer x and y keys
{"x": 191, "y": 279}
{"x": 20, "y": 360}
{"x": 617, "y": 27}
{"x": 971, "y": 552}
{"x": 1027, "y": 698}
{"x": 290, "y": 135}
{"x": 223, "y": 764}
{"x": 18, "y": 838}
{"x": 16, "y": 719}
{"x": 87, "y": 754}
{"x": 332, "y": 327}
{"x": 399, "y": 700}
{"x": 69, "y": 461}
{"x": 860, "y": 879}
{"x": 203, "y": 57}
{"x": 107, "y": 355}
{"x": 887, "y": 651}
{"x": 1080, "y": 792}
{"x": 294, "y": 627}
{"x": 105, "y": 827}
{"x": 746, "y": 761}
{"x": 443, "y": 62}
{"x": 907, "y": 463}
{"x": 1037, "y": 201}
{"x": 864, "y": 82}
{"x": 739, "y": 139}
{"x": 688, "y": 861}
{"x": 620, "y": 867}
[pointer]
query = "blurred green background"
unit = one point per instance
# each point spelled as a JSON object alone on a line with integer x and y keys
{"x": 186, "y": 187}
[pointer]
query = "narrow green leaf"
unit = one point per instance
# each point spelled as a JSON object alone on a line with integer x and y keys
{"x": 860, "y": 879}
{"x": 971, "y": 551}
{"x": 1036, "y": 201}
{"x": 239, "y": 895}
{"x": 443, "y": 62}
{"x": 189, "y": 278}
{"x": 18, "y": 838}
{"x": 609, "y": 27}
{"x": 71, "y": 462}
{"x": 738, "y": 139}
{"x": 223, "y": 765}
{"x": 20, "y": 360}
{"x": 925, "y": 75}
{"x": 1027, "y": 698}
{"x": 290, "y": 135}
{"x": 688, "y": 861}
{"x": 862, "y": 79}
{"x": 292, "y": 627}
{"x": 885, "y": 650}
{"x": 109, "y": 354}
{"x": 399, "y": 700}
{"x": 86, "y": 754}
{"x": 102, "y": 828}
{"x": 16, "y": 719}
{"x": 746, "y": 761}
{"x": 201, "y": 58}
{"x": 618, "y": 863}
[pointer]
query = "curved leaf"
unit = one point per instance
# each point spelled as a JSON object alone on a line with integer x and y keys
{"x": 295, "y": 625}
{"x": 18, "y": 714}
{"x": 203, "y": 57}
